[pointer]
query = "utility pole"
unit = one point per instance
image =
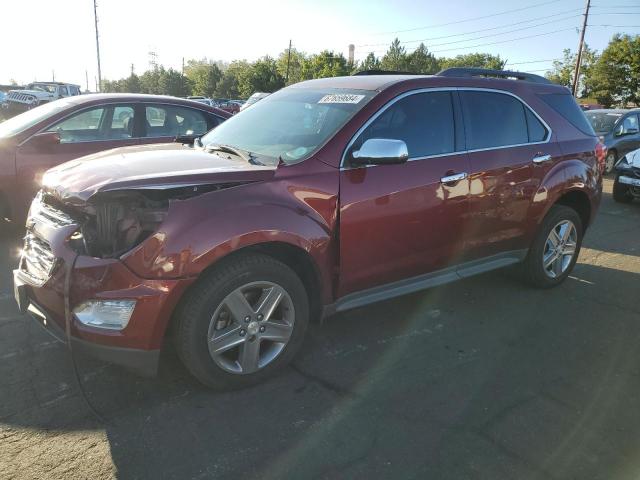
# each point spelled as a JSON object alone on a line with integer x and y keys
{"x": 86, "y": 77}
{"x": 53, "y": 75}
{"x": 95, "y": 18}
{"x": 576, "y": 78}
{"x": 286, "y": 80}
{"x": 132, "y": 70}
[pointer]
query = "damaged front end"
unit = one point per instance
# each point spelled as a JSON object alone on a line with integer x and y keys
{"x": 112, "y": 223}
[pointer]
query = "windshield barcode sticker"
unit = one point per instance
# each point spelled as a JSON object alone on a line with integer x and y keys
{"x": 341, "y": 98}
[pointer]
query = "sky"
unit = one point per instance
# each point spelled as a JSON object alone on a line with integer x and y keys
{"x": 58, "y": 40}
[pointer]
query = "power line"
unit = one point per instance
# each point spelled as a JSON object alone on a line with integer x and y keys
{"x": 495, "y": 43}
{"x": 487, "y": 29}
{"x": 505, "y": 41}
{"x": 532, "y": 61}
{"x": 504, "y": 12}
{"x": 501, "y": 33}
{"x": 479, "y": 31}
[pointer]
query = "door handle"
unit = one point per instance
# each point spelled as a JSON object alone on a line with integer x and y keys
{"x": 541, "y": 158}
{"x": 456, "y": 177}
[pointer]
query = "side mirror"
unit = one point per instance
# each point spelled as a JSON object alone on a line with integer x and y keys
{"x": 380, "y": 151}
{"x": 46, "y": 139}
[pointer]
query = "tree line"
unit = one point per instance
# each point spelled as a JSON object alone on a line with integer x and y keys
{"x": 239, "y": 79}
{"x": 611, "y": 77}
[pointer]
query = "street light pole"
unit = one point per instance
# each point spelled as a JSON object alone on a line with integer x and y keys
{"x": 576, "y": 78}
{"x": 95, "y": 18}
{"x": 286, "y": 80}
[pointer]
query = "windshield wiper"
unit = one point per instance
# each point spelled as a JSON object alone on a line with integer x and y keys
{"x": 245, "y": 155}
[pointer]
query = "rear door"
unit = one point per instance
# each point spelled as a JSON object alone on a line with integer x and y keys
{"x": 82, "y": 133}
{"x": 163, "y": 123}
{"x": 400, "y": 221}
{"x": 510, "y": 153}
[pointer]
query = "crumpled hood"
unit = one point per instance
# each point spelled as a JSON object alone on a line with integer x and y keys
{"x": 159, "y": 166}
{"x": 633, "y": 158}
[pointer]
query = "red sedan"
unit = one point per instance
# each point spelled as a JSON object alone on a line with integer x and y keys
{"x": 69, "y": 128}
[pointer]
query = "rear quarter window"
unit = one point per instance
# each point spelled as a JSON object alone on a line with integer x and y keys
{"x": 566, "y": 105}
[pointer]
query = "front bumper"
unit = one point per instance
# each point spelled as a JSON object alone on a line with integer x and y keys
{"x": 137, "y": 346}
{"x": 627, "y": 180}
{"x": 143, "y": 362}
{"x": 15, "y": 108}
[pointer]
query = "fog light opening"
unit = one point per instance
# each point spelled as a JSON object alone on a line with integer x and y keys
{"x": 107, "y": 314}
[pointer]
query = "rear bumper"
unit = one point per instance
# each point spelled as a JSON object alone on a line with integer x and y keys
{"x": 142, "y": 362}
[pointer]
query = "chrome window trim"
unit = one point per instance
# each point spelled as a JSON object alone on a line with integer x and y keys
{"x": 111, "y": 103}
{"x": 456, "y": 152}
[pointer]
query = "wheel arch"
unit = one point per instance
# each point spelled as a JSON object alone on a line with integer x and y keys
{"x": 579, "y": 201}
{"x": 293, "y": 256}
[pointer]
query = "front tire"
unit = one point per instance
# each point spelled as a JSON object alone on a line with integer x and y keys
{"x": 621, "y": 192}
{"x": 242, "y": 322}
{"x": 555, "y": 249}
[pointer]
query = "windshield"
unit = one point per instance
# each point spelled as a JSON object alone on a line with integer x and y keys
{"x": 28, "y": 119}
{"x": 42, "y": 87}
{"x": 289, "y": 125}
{"x": 602, "y": 121}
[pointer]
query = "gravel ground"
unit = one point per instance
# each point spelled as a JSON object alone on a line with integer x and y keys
{"x": 483, "y": 379}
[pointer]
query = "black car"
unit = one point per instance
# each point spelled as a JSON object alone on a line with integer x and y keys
{"x": 619, "y": 131}
{"x": 626, "y": 186}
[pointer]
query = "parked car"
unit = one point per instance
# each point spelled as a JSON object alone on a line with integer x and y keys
{"x": 619, "y": 131}
{"x": 59, "y": 131}
{"x": 626, "y": 186}
{"x": 327, "y": 195}
{"x": 229, "y": 106}
{"x": 36, "y": 94}
{"x": 256, "y": 97}
{"x": 204, "y": 100}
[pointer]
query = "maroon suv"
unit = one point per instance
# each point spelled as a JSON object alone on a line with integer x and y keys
{"x": 327, "y": 195}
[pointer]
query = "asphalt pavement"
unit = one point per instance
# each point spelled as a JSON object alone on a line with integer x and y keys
{"x": 482, "y": 379}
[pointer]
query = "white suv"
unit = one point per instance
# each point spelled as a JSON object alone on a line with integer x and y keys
{"x": 37, "y": 93}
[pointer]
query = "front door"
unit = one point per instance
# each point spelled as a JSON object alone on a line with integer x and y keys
{"x": 88, "y": 131}
{"x": 399, "y": 221}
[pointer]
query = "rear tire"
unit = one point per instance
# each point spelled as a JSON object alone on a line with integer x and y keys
{"x": 227, "y": 336}
{"x": 610, "y": 161}
{"x": 621, "y": 192}
{"x": 551, "y": 247}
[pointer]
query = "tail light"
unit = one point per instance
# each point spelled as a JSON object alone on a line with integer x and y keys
{"x": 601, "y": 153}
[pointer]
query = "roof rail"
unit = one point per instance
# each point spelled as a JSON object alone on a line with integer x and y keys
{"x": 485, "y": 72}
{"x": 383, "y": 72}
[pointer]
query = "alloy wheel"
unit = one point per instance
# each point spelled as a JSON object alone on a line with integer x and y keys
{"x": 560, "y": 248}
{"x": 251, "y": 327}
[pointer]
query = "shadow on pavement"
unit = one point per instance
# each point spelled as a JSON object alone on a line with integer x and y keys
{"x": 483, "y": 379}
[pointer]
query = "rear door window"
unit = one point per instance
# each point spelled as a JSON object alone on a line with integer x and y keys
{"x": 122, "y": 122}
{"x": 495, "y": 120}
{"x": 171, "y": 121}
{"x": 424, "y": 121}
{"x": 630, "y": 124}
{"x": 565, "y": 105}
